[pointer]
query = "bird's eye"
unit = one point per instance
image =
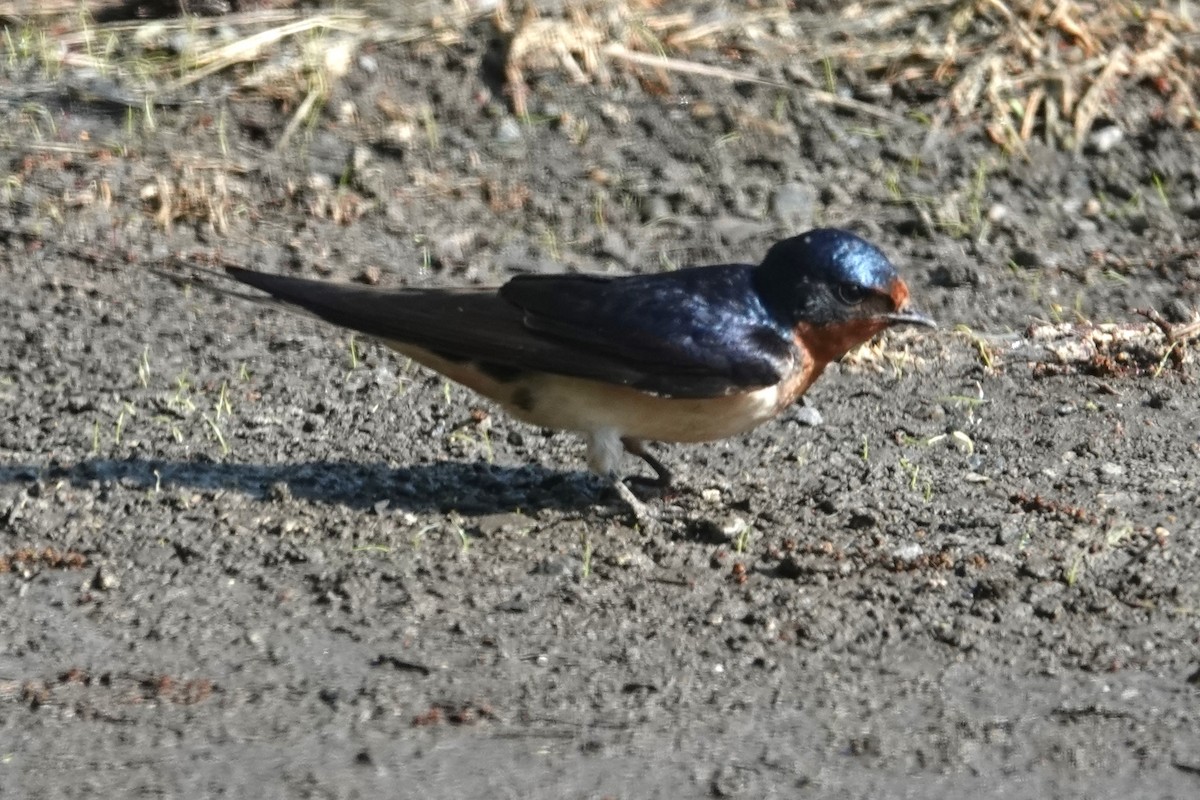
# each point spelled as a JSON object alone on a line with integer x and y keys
{"x": 851, "y": 293}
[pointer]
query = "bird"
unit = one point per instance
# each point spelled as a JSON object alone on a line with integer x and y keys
{"x": 691, "y": 355}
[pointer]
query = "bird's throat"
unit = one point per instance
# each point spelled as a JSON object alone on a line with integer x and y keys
{"x": 830, "y": 342}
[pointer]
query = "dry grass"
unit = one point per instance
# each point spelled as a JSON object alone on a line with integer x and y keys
{"x": 591, "y": 35}
{"x": 892, "y": 351}
{"x": 204, "y": 195}
{"x": 1109, "y": 350}
{"x": 1020, "y": 68}
{"x": 1058, "y": 67}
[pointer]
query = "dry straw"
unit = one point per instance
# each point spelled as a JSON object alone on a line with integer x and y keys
{"x": 1019, "y": 68}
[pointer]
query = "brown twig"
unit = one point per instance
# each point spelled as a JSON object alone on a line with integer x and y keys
{"x": 1176, "y": 334}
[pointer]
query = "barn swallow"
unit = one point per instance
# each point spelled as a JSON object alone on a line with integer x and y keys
{"x": 692, "y": 355}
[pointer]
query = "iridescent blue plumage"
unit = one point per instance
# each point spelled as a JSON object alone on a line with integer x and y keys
{"x": 695, "y": 332}
{"x": 800, "y": 275}
{"x": 843, "y": 256}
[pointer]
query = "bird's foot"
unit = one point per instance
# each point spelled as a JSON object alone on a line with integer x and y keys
{"x": 647, "y": 487}
{"x": 644, "y": 517}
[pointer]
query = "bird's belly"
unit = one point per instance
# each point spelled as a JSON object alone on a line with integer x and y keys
{"x": 578, "y": 404}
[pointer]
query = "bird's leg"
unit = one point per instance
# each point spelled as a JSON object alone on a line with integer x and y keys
{"x": 642, "y": 514}
{"x": 662, "y": 479}
{"x": 604, "y": 455}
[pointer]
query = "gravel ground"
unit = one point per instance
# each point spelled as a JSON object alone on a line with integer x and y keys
{"x": 243, "y": 554}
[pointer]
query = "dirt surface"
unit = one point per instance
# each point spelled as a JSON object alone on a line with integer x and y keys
{"x": 243, "y": 554}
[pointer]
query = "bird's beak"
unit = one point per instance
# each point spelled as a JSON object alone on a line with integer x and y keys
{"x": 910, "y": 318}
{"x": 903, "y": 314}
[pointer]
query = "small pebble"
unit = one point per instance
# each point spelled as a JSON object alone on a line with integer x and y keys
{"x": 792, "y": 204}
{"x": 105, "y": 580}
{"x": 1104, "y": 139}
{"x": 508, "y": 131}
{"x": 808, "y": 416}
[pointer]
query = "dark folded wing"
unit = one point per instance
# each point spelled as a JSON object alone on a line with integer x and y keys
{"x": 484, "y": 326}
{"x": 701, "y": 326}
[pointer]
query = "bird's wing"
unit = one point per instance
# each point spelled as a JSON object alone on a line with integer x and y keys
{"x": 700, "y": 327}
{"x": 587, "y": 336}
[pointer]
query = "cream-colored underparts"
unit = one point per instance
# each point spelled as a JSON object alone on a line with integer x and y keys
{"x": 606, "y": 413}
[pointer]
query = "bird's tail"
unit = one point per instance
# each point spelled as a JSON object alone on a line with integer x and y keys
{"x": 355, "y": 307}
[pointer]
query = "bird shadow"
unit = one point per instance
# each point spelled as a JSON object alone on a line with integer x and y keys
{"x": 466, "y": 488}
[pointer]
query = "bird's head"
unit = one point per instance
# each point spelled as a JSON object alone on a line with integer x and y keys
{"x": 835, "y": 290}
